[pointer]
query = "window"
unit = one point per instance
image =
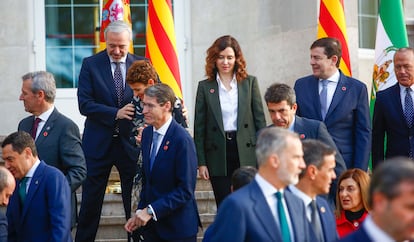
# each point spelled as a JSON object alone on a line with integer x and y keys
{"x": 72, "y": 34}
{"x": 367, "y": 20}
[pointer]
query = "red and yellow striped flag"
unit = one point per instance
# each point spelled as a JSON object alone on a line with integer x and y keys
{"x": 113, "y": 10}
{"x": 161, "y": 44}
{"x": 332, "y": 24}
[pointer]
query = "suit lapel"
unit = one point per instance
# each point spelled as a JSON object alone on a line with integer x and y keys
{"x": 263, "y": 213}
{"x": 395, "y": 98}
{"x": 33, "y": 188}
{"x": 299, "y": 128}
{"x": 243, "y": 102}
{"x": 340, "y": 91}
{"x": 104, "y": 66}
{"x": 212, "y": 95}
{"x": 314, "y": 91}
{"x": 47, "y": 128}
{"x": 165, "y": 143}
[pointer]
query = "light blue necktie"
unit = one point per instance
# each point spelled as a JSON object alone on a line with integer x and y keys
{"x": 155, "y": 136}
{"x": 323, "y": 97}
{"x": 284, "y": 227}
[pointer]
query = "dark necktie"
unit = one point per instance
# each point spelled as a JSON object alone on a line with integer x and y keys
{"x": 119, "y": 83}
{"x": 316, "y": 221}
{"x": 408, "y": 108}
{"x": 155, "y": 136}
{"x": 323, "y": 96}
{"x": 409, "y": 116}
{"x": 284, "y": 227}
{"x": 22, "y": 190}
{"x": 34, "y": 127}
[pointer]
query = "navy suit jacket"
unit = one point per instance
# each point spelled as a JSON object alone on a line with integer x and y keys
{"x": 327, "y": 219}
{"x": 389, "y": 121}
{"x": 3, "y": 227}
{"x": 169, "y": 186}
{"x": 46, "y": 214}
{"x": 314, "y": 129}
{"x": 347, "y": 119}
{"x": 360, "y": 235}
{"x": 98, "y": 102}
{"x": 59, "y": 145}
{"x": 245, "y": 216}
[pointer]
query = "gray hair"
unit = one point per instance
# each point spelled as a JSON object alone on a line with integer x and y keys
{"x": 42, "y": 81}
{"x": 388, "y": 176}
{"x": 118, "y": 26}
{"x": 272, "y": 140}
{"x": 6, "y": 178}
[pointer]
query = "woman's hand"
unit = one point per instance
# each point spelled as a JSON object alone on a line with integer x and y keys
{"x": 203, "y": 172}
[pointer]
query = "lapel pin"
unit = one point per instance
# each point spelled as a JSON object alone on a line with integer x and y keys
{"x": 36, "y": 182}
{"x": 344, "y": 89}
{"x": 165, "y": 147}
{"x": 302, "y": 136}
{"x": 323, "y": 210}
{"x": 212, "y": 90}
{"x": 45, "y": 134}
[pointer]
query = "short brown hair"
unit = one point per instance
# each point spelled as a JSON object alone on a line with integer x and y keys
{"x": 141, "y": 71}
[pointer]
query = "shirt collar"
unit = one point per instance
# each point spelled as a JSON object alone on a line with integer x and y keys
{"x": 45, "y": 115}
{"x": 163, "y": 129}
{"x": 233, "y": 82}
{"x": 32, "y": 170}
{"x": 375, "y": 232}
{"x": 304, "y": 197}
{"x": 334, "y": 77}
{"x": 122, "y": 60}
{"x": 268, "y": 189}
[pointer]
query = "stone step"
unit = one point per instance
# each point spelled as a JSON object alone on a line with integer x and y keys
{"x": 111, "y": 227}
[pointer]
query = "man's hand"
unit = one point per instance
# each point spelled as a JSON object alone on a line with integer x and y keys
{"x": 126, "y": 112}
{"x": 140, "y": 219}
{"x": 203, "y": 172}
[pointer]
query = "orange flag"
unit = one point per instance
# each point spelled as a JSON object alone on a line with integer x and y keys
{"x": 113, "y": 10}
{"x": 332, "y": 24}
{"x": 161, "y": 44}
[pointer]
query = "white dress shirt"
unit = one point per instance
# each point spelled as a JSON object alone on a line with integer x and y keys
{"x": 229, "y": 104}
{"x": 331, "y": 87}
{"x": 43, "y": 117}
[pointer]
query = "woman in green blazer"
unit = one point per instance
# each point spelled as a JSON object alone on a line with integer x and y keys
{"x": 228, "y": 114}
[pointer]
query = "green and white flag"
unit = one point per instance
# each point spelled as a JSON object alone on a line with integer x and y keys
{"x": 391, "y": 35}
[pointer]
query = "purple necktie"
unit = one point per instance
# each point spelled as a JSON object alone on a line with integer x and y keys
{"x": 119, "y": 83}
{"x": 34, "y": 127}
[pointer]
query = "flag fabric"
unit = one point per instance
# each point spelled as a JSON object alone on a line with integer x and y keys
{"x": 113, "y": 10}
{"x": 391, "y": 35}
{"x": 161, "y": 44}
{"x": 332, "y": 24}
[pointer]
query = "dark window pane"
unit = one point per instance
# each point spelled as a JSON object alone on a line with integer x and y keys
{"x": 86, "y": 20}
{"x": 138, "y": 15}
{"x": 57, "y": 2}
{"x": 80, "y": 54}
{"x": 59, "y": 62}
{"x": 58, "y": 26}
{"x": 86, "y": 1}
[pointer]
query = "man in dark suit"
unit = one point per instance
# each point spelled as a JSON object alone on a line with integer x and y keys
{"x": 57, "y": 137}
{"x": 263, "y": 210}
{"x": 281, "y": 104}
{"x": 167, "y": 209}
{"x": 7, "y": 186}
{"x": 391, "y": 107}
{"x": 391, "y": 198}
{"x": 39, "y": 209}
{"x": 341, "y": 102}
{"x": 105, "y": 100}
{"x": 316, "y": 180}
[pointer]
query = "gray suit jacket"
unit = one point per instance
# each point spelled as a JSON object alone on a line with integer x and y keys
{"x": 59, "y": 145}
{"x": 209, "y": 133}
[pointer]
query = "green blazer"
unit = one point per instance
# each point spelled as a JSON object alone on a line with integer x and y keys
{"x": 209, "y": 136}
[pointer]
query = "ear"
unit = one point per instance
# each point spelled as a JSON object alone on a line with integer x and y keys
{"x": 311, "y": 171}
{"x": 334, "y": 59}
{"x": 295, "y": 107}
{"x": 151, "y": 82}
{"x": 168, "y": 105}
{"x": 274, "y": 161}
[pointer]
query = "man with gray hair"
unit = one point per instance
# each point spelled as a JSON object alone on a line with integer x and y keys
{"x": 57, "y": 137}
{"x": 264, "y": 210}
{"x": 105, "y": 101}
{"x": 7, "y": 185}
{"x": 391, "y": 197}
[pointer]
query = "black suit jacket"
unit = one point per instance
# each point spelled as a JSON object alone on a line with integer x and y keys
{"x": 389, "y": 121}
{"x": 59, "y": 145}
